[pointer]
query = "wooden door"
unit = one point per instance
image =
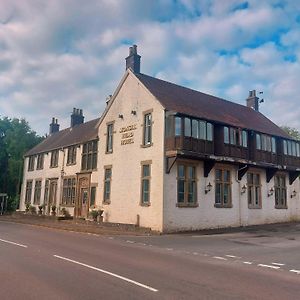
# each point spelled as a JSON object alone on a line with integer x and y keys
{"x": 84, "y": 199}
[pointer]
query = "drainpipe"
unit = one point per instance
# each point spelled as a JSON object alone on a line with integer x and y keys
{"x": 239, "y": 193}
{"x": 62, "y": 173}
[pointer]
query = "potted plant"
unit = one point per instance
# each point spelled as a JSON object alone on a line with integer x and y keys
{"x": 41, "y": 207}
{"x": 53, "y": 210}
{"x": 32, "y": 209}
{"x": 27, "y": 207}
{"x": 94, "y": 214}
{"x": 65, "y": 213}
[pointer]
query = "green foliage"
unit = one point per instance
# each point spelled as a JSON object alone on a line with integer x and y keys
{"x": 16, "y": 138}
{"x": 293, "y": 132}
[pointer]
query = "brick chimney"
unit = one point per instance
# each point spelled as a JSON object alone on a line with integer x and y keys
{"x": 76, "y": 117}
{"x": 252, "y": 100}
{"x": 54, "y": 127}
{"x": 133, "y": 61}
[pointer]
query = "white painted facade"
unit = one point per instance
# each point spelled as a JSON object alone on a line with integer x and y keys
{"x": 126, "y": 108}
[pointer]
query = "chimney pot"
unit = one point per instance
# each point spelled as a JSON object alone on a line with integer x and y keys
{"x": 77, "y": 117}
{"x": 54, "y": 126}
{"x": 133, "y": 61}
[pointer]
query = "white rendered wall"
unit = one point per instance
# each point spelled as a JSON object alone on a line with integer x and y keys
{"x": 206, "y": 215}
{"x": 126, "y": 160}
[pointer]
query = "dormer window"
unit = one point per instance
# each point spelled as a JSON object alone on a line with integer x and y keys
{"x": 265, "y": 143}
{"x": 197, "y": 129}
{"x": 291, "y": 148}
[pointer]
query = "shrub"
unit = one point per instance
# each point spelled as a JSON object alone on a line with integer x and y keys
{"x": 65, "y": 212}
{"x": 27, "y": 207}
{"x": 32, "y": 209}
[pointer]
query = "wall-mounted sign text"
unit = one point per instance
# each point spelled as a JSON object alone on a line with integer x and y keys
{"x": 127, "y": 134}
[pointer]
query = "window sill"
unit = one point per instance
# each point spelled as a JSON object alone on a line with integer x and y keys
{"x": 222, "y": 205}
{"x": 106, "y": 202}
{"x": 147, "y": 146}
{"x": 145, "y": 204}
{"x": 254, "y": 207}
{"x": 38, "y": 169}
{"x": 52, "y": 167}
{"x": 108, "y": 152}
{"x": 71, "y": 164}
{"x": 280, "y": 207}
{"x": 184, "y": 205}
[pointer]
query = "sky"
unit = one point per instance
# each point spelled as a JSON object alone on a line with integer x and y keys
{"x": 60, "y": 54}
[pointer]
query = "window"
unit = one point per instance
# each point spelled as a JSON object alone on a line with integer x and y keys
{"x": 71, "y": 157}
{"x": 223, "y": 188}
{"x": 145, "y": 188}
{"x": 202, "y": 130}
{"x": 298, "y": 150}
{"x": 54, "y": 159}
{"x": 31, "y": 163}
{"x": 28, "y": 191}
{"x": 186, "y": 185}
{"x": 258, "y": 141}
{"x": 147, "y": 129}
{"x": 37, "y": 192}
{"x": 40, "y": 162}
{"x": 280, "y": 191}
{"x": 209, "y": 131}
{"x": 107, "y": 184}
{"x": 273, "y": 145}
{"x": 187, "y": 127}
{"x": 232, "y": 134}
{"x": 109, "y": 138}
{"x": 46, "y": 193}
{"x": 69, "y": 191}
{"x": 177, "y": 126}
{"x": 254, "y": 190}
{"x": 226, "y": 135}
{"x": 89, "y": 156}
{"x": 195, "y": 129}
{"x": 244, "y": 142}
{"x": 285, "y": 151}
{"x": 93, "y": 196}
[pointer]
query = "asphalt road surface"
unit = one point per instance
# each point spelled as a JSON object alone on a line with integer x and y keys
{"x": 40, "y": 263}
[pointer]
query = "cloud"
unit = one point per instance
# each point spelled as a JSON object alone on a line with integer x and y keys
{"x": 60, "y": 54}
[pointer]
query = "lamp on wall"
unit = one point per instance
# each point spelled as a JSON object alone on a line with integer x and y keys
{"x": 243, "y": 189}
{"x": 293, "y": 194}
{"x": 121, "y": 116}
{"x": 133, "y": 112}
{"x": 208, "y": 188}
{"x": 271, "y": 192}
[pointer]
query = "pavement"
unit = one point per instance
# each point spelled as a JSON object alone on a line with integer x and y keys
{"x": 38, "y": 262}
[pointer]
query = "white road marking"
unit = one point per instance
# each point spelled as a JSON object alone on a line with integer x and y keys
{"x": 295, "y": 271}
{"x": 108, "y": 273}
{"x": 169, "y": 249}
{"x": 13, "y": 243}
{"x": 268, "y": 266}
{"x": 278, "y": 264}
{"x": 130, "y": 242}
{"x": 219, "y": 257}
{"x": 195, "y": 253}
{"x": 232, "y": 256}
{"x": 247, "y": 262}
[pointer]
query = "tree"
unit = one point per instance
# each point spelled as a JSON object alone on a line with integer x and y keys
{"x": 293, "y": 132}
{"x": 16, "y": 138}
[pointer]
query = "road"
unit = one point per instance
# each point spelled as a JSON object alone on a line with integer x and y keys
{"x": 41, "y": 263}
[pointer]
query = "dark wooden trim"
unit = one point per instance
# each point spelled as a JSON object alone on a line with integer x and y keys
{"x": 170, "y": 161}
{"x": 243, "y": 168}
{"x": 270, "y": 172}
{"x": 207, "y": 166}
{"x": 293, "y": 175}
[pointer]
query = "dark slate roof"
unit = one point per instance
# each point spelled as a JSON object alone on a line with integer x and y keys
{"x": 193, "y": 103}
{"x": 70, "y": 136}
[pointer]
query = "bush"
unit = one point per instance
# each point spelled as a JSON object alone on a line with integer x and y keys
{"x": 95, "y": 213}
{"x": 27, "y": 206}
{"x": 32, "y": 209}
{"x": 65, "y": 212}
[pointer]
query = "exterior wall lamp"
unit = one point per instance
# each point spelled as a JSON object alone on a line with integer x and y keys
{"x": 243, "y": 189}
{"x": 121, "y": 116}
{"x": 271, "y": 192}
{"x": 208, "y": 188}
{"x": 133, "y": 112}
{"x": 294, "y": 193}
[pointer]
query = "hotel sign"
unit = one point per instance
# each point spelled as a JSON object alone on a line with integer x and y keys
{"x": 127, "y": 134}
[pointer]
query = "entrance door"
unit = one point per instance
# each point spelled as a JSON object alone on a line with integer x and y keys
{"x": 52, "y": 195}
{"x": 84, "y": 198}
